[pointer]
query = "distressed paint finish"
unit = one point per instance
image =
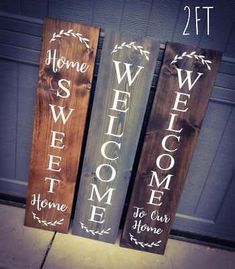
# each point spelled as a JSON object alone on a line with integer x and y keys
{"x": 153, "y": 205}
{"x": 72, "y": 47}
{"x": 122, "y": 48}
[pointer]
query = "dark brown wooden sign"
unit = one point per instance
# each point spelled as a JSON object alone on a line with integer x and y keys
{"x": 186, "y": 80}
{"x": 65, "y": 77}
{"x": 123, "y": 86}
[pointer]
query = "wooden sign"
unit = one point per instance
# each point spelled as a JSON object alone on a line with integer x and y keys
{"x": 65, "y": 77}
{"x": 123, "y": 87}
{"x": 186, "y": 80}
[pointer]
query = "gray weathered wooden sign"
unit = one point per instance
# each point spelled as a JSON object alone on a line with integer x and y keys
{"x": 122, "y": 91}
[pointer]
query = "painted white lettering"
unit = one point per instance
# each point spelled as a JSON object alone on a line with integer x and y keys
{"x": 97, "y": 214}
{"x": 126, "y": 73}
{"x": 52, "y": 183}
{"x": 179, "y": 101}
{"x": 165, "y": 180}
{"x": 58, "y": 63}
{"x": 103, "y": 150}
{"x": 163, "y": 156}
{"x": 40, "y": 204}
{"x": 60, "y": 114}
{"x": 171, "y": 124}
{"x": 165, "y": 139}
{"x": 57, "y": 139}
{"x": 139, "y": 212}
{"x": 160, "y": 218}
{"x": 187, "y": 78}
{"x": 139, "y": 227}
{"x": 155, "y": 195}
{"x": 54, "y": 161}
{"x": 105, "y": 166}
{"x": 63, "y": 88}
{"x": 100, "y": 198}
{"x": 122, "y": 102}
{"x": 110, "y": 127}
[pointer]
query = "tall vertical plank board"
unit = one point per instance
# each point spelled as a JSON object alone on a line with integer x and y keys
{"x": 186, "y": 80}
{"x": 123, "y": 86}
{"x": 65, "y": 77}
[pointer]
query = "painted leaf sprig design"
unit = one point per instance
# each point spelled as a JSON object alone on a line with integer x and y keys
{"x": 93, "y": 232}
{"x": 131, "y": 45}
{"x": 193, "y": 54}
{"x": 70, "y": 33}
{"x": 142, "y": 244}
{"x": 47, "y": 223}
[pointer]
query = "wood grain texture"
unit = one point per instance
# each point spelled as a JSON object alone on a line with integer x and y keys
{"x": 128, "y": 123}
{"x": 73, "y": 49}
{"x": 20, "y": 45}
{"x": 190, "y": 121}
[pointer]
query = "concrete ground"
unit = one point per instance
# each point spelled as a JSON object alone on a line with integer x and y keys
{"x": 22, "y": 247}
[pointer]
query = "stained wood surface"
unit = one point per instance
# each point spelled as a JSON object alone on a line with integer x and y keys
{"x": 73, "y": 48}
{"x": 19, "y": 25}
{"x": 129, "y": 123}
{"x": 144, "y": 238}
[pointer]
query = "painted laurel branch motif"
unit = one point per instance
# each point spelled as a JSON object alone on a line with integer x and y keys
{"x": 71, "y": 33}
{"x": 93, "y": 232}
{"x": 193, "y": 54}
{"x": 132, "y": 45}
{"x": 142, "y": 244}
{"x": 47, "y": 223}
